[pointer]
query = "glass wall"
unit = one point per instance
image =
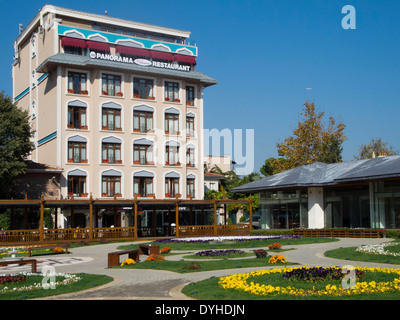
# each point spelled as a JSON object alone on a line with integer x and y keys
{"x": 284, "y": 209}
{"x": 385, "y": 204}
{"x": 347, "y": 207}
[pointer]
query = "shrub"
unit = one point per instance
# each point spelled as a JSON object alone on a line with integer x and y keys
{"x": 275, "y": 246}
{"x": 165, "y": 250}
{"x": 155, "y": 257}
{"x": 192, "y": 266}
{"x": 260, "y": 253}
{"x": 128, "y": 262}
{"x": 277, "y": 259}
{"x": 58, "y": 250}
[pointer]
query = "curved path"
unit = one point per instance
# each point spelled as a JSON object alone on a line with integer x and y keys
{"x": 166, "y": 285}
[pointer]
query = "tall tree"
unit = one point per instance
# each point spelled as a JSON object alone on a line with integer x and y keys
{"x": 312, "y": 140}
{"x": 15, "y": 142}
{"x": 376, "y": 148}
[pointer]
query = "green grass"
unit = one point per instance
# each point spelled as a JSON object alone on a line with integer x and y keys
{"x": 351, "y": 254}
{"x": 210, "y": 290}
{"x": 228, "y": 256}
{"x": 87, "y": 281}
{"x": 239, "y": 244}
{"x": 183, "y": 265}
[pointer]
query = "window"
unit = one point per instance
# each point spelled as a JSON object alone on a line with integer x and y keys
{"x": 111, "y": 153}
{"x": 172, "y": 155}
{"x": 77, "y": 117}
{"x": 77, "y": 152}
{"x": 111, "y": 85}
{"x": 189, "y": 126}
{"x": 171, "y": 91}
{"x": 142, "y": 121}
{"x": 172, "y": 187}
{"x": 142, "y": 154}
{"x": 190, "y": 188}
{"x": 73, "y": 50}
{"x": 189, "y": 96}
{"x": 190, "y": 157}
{"x": 111, "y": 186}
{"x": 111, "y": 119}
{"x": 143, "y": 89}
{"x": 171, "y": 123}
{"x": 143, "y": 186}
{"x": 77, "y": 83}
{"x": 77, "y": 186}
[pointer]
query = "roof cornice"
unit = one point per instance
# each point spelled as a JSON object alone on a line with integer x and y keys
{"x": 46, "y": 9}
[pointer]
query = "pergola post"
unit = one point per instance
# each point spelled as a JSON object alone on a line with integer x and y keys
{"x": 91, "y": 217}
{"x": 41, "y": 221}
{"x": 135, "y": 221}
{"x": 215, "y": 217}
{"x": 177, "y": 218}
{"x": 251, "y": 212}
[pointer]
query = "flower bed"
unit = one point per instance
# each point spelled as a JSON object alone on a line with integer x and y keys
{"x": 155, "y": 257}
{"x": 319, "y": 274}
{"x": 68, "y": 279}
{"x": 378, "y": 249}
{"x": 128, "y": 262}
{"x": 226, "y": 238}
{"x": 252, "y": 283}
{"x": 277, "y": 259}
{"x": 218, "y": 253}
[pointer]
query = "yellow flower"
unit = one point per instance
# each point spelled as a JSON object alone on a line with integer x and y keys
{"x": 128, "y": 262}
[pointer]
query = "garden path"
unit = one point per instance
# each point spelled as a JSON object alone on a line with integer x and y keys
{"x": 166, "y": 285}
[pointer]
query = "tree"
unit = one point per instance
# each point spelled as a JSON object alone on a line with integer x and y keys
{"x": 270, "y": 166}
{"x": 375, "y": 148}
{"x": 311, "y": 141}
{"x": 15, "y": 143}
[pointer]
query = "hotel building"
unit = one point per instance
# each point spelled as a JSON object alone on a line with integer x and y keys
{"x": 118, "y": 105}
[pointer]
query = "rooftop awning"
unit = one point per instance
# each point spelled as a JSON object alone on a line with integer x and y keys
{"x": 137, "y": 52}
{"x": 185, "y": 59}
{"x": 73, "y": 42}
{"x": 162, "y": 55}
{"x": 95, "y": 45}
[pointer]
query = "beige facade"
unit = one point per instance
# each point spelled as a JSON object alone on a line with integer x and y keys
{"x": 103, "y": 115}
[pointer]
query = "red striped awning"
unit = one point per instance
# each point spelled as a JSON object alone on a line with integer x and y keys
{"x": 137, "y": 52}
{"x": 73, "y": 42}
{"x": 101, "y": 46}
{"x": 161, "y": 55}
{"x": 185, "y": 59}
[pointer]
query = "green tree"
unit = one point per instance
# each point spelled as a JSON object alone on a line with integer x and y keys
{"x": 15, "y": 143}
{"x": 313, "y": 140}
{"x": 376, "y": 148}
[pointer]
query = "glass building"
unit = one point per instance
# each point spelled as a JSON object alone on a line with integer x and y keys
{"x": 356, "y": 194}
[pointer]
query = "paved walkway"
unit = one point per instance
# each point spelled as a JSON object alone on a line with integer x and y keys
{"x": 166, "y": 285}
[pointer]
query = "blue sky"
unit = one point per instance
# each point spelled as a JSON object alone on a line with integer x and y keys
{"x": 265, "y": 54}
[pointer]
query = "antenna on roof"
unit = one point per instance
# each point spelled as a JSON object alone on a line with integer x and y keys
{"x": 105, "y": 13}
{"x": 20, "y": 28}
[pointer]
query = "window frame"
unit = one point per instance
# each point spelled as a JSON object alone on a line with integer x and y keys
{"x": 106, "y": 147}
{"x": 72, "y": 145}
{"x": 71, "y": 121}
{"x": 72, "y": 183}
{"x": 82, "y": 75}
{"x": 141, "y": 114}
{"x": 170, "y": 187}
{"x": 148, "y": 82}
{"x": 110, "y": 182}
{"x": 175, "y": 86}
{"x": 114, "y": 113}
{"x": 174, "y": 118}
{"x": 142, "y": 185}
{"x": 107, "y": 76}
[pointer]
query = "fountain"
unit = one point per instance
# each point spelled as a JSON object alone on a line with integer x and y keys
{"x": 13, "y": 257}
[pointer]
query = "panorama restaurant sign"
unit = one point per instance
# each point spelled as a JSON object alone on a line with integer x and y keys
{"x": 140, "y": 62}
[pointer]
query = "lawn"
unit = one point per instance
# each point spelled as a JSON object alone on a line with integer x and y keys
{"x": 200, "y": 245}
{"x": 210, "y": 289}
{"x": 34, "y": 281}
{"x": 350, "y": 253}
{"x": 191, "y": 266}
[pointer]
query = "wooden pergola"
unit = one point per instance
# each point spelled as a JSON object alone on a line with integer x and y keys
{"x": 92, "y": 233}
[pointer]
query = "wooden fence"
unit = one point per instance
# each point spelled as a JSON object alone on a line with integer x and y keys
{"x": 338, "y": 233}
{"x": 210, "y": 230}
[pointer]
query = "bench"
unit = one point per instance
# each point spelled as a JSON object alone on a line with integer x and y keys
{"x": 48, "y": 247}
{"x": 113, "y": 257}
{"x": 33, "y": 262}
{"x": 148, "y": 249}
